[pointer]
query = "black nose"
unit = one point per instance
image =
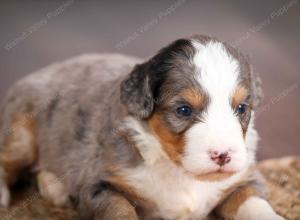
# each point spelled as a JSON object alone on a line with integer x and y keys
{"x": 220, "y": 158}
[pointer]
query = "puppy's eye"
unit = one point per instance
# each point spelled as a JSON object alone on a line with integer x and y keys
{"x": 241, "y": 109}
{"x": 184, "y": 111}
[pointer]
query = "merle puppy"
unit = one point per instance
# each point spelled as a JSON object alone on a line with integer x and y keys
{"x": 125, "y": 139}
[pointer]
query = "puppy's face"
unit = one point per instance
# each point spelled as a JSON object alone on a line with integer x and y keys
{"x": 197, "y": 97}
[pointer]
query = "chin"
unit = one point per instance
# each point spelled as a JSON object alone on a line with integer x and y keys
{"x": 215, "y": 176}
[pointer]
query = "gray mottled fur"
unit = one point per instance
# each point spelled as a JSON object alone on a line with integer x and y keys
{"x": 78, "y": 107}
{"x": 76, "y": 104}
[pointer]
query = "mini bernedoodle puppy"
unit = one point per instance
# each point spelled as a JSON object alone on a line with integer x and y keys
{"x": 119, "y": 138}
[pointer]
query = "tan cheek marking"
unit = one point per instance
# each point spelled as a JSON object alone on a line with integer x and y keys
{"x": 173, "y": 144}
{"x": 19, "y": 150}
{"x": 194, "y": 97}
{"x": 239, "y": 95}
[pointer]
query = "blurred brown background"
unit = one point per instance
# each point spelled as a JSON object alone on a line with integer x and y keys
{"x": 37, "y": 33}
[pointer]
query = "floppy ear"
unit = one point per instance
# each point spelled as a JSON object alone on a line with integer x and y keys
{"x": 141, "y": 88}
{"x": 257, "y": 90}
{"x": 136, "y": 91}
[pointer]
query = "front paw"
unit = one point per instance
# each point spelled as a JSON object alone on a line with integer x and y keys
{"x": 260, "y": 216}
{"x": 4, "y": 193}
{"x": 257, "y": 209}
{"x": 272, "y": 216}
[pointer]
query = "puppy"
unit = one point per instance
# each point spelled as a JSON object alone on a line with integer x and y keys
{"x": 168, "y": 138}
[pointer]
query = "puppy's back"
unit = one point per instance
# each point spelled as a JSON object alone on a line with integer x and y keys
{"x": 56, "y": 94}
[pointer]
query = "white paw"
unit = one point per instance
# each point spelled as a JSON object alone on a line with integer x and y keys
{"x": 261, "y": 216}
{"x": 4, "y": 193}
{"x": 52, "y": 189}
{"x": 272, "y": 216}
{"x": 256, "y": 209}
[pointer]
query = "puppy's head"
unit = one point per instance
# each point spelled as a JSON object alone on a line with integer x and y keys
{"x": 197, "y": 95}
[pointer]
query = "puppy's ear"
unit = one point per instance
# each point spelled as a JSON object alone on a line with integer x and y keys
{"x": 257, "y": 89}
{"x": 137, "y": 91}
{"x": 141, "y": 87}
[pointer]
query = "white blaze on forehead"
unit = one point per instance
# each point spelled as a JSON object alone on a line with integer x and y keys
{"x": 217, "y": 73}
{"x": 216, "y": 70}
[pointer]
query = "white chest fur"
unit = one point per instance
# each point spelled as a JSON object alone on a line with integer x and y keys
{"x": 176, "y": 194}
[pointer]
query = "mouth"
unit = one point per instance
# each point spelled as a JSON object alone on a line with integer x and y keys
{"x": 217, "y": 175}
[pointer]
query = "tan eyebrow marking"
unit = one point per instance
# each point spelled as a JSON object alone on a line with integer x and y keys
{"x": 193, "y": 96}
{"x": 239, "y": 95}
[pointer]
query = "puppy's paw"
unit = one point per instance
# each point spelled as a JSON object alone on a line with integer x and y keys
{"x": 52, "y": 189}
{"x": 4, "y": 196}
{"x": 269, "y": 216}
{"x": 4, "y": 193}
{"x": 257, "y": 209}
{"x": 260, "y": 216}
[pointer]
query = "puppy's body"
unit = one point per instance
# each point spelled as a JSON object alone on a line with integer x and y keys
{"x": 133, "y": 157}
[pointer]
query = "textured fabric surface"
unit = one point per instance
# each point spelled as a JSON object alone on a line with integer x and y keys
{"x": 283, "y": 181}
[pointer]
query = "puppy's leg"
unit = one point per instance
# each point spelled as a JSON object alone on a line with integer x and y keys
{"x": 256, "y": 208}
{"x": 105, "y": 204}
{"x": 4, "y": 190}
{"x": 18, "y": 152}
{"x": 52, "y": 189}
{"x": 247, "y": 203}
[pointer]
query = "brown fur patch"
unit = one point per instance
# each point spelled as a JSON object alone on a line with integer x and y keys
{"x": 239, "y": 96}
{"x": 193, "y": 96}
{"x": 230, "y": 206}
{"x": 121, "y": 186}
{"x": 118, "y": 181}
{"x": 19, "y": 150}
{"x": 173, "y": 144}
{"x": 234, "y": 196}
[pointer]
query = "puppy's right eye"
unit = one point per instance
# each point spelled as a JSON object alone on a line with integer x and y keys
{"x": 241, "y": 109}
{"x": 184, "y": 110}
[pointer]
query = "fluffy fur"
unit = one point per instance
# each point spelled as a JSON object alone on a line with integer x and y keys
{"x": 109, "y": 130}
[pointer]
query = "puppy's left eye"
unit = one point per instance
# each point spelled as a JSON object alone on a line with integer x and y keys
{"x": 184, "y": 111}
{"x": 241, "y": 109}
